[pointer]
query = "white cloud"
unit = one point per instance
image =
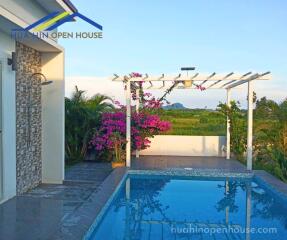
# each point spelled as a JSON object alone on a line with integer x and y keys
{"x": 94, "y": 85}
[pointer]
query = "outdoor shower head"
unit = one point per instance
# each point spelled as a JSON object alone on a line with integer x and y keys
{"x": 46, "y": 82}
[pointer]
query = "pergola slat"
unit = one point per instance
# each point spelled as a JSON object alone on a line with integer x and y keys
{"x": 227, "y": 76}
{"x": 255, "y": 76}
{"x": 208, "y": 78}
{"x": 232, "y": 81}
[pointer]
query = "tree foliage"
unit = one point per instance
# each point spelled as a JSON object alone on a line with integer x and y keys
{"x": 237, "y": 127}
{"x": 83, "y": 116}
{"x": 270, "y": 134}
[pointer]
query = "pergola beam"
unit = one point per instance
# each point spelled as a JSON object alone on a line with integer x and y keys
{"x": 197, "y": 77}
{"x": 255, "y": 76}
{"x": 237, "y": 80}
{"x": 232, "y": 81}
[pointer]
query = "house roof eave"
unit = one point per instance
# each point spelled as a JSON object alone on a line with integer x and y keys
{"x": 70, "y": 5}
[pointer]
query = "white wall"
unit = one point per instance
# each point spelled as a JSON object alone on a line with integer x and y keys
{"x": 186, "y": 146}
{"x": 7, "y": 46}
{"x": 53, "y": 118}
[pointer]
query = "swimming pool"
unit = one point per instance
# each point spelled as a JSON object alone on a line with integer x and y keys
{"x": 169, "y": 207}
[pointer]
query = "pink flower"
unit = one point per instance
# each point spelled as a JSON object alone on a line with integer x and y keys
{"x": 201, "y": 88}
{"x": 144, "y": 125}
{"x": 147, "y": 94}
{"x": 136, "y": 75}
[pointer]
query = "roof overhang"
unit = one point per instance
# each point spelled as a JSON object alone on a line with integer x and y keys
{"x": 57, "y": 5}
{"x": 41, "y": 45}
{"x": 70, "y": 5}
{"x": 9, "y": 21}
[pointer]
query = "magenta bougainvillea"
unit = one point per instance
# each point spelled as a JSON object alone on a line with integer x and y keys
{"x": 112, "y": 133}
{"x": 136, "y": 75}
{"x": 144, "y": 125}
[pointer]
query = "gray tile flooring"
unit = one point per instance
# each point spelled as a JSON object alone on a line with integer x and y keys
{"x": 38, "y": 213}
{"x": 24, "y": 218}
{"x": 76, "y": 224}
{"x": 88, "y": 172}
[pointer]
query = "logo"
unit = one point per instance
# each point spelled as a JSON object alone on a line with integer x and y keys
{"x": 44, "y": 27}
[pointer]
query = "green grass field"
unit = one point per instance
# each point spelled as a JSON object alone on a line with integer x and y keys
{"x": 195, "y": 122}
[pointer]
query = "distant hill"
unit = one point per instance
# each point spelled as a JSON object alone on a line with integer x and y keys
{"x": 174, "y": 106}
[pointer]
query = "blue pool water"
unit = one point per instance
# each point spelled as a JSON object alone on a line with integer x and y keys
{"x": 157, "y": 207}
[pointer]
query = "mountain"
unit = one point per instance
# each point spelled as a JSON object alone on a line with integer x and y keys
{"x": 174, "y": 106}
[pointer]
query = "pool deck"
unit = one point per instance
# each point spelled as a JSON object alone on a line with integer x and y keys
{"x": 46, "y": 211}
{"x": 166, "y": 162}
{"x": 67, "y": 211}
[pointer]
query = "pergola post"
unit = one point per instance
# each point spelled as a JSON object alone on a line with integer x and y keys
{"x": 128, "y": 124}
{"x": 228, "y": 127}
{"x": 137, "y": 111}
{"x": 250, "y": 125}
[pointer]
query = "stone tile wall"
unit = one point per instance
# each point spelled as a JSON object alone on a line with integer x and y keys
{"x": 28, "y": 118}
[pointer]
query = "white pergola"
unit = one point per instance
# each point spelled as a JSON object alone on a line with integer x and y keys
{"x": 194, "y": 81}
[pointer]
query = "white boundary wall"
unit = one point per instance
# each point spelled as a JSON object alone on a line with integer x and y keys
{"x": 173, "y": 145}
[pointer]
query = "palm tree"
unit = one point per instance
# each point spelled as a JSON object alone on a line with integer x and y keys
{"x": 82, "y": 119}
{"x": 97, "y": 105}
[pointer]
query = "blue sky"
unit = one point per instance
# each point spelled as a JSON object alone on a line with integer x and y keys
{"x": 163, "y": 35}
